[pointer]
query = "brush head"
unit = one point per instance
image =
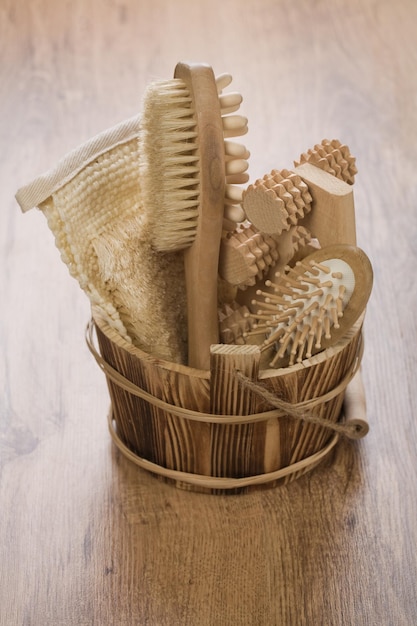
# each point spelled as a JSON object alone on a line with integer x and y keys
{"x": 314, "y": 303}
{"x": 170, "y": 164}
{"x": 185, "y": 160}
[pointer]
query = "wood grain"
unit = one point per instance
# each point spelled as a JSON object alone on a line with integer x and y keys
{"x": 201, "y": 257}
{"x": 85, "y": 536}
{"x": 159, "y": 412}
{"x": 236, "y": 448}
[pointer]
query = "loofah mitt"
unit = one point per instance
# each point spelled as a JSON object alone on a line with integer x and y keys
{"x": 93, "y": 204}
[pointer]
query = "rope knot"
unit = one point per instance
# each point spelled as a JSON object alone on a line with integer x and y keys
{"x": 353, "y": 429}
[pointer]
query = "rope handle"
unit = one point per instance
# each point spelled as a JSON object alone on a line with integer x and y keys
{"x": 352, "y": 429}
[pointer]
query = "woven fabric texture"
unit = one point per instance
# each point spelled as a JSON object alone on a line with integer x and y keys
{"x": 93, "y": 204}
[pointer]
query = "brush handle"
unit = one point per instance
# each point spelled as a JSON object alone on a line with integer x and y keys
{"x": 201, "y": 259}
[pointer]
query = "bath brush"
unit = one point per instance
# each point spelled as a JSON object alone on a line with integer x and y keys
{"x": 190, "y": 170}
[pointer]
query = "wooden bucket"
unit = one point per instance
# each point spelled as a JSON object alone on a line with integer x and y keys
{"x": 220, "y": 431}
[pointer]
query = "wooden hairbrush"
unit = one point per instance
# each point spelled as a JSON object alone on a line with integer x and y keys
{"x": 313, "y": 304}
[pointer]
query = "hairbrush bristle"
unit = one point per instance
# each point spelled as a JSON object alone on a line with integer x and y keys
{"x": 313, "y": 303}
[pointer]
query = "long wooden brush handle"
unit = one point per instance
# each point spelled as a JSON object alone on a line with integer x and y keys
{"x": 201, "y": 259}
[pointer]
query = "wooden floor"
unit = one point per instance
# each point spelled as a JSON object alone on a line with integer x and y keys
{"x": 85, "y": 536}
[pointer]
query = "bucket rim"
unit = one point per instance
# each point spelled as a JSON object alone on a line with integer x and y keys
{"x": 102, "y": 324}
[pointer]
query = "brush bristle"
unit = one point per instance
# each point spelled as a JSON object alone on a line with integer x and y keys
{"x": 170, "y": 168}
{"x": 305, "y": 304}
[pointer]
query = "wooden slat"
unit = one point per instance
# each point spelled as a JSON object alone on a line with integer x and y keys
{"x": 235, "y": 449}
